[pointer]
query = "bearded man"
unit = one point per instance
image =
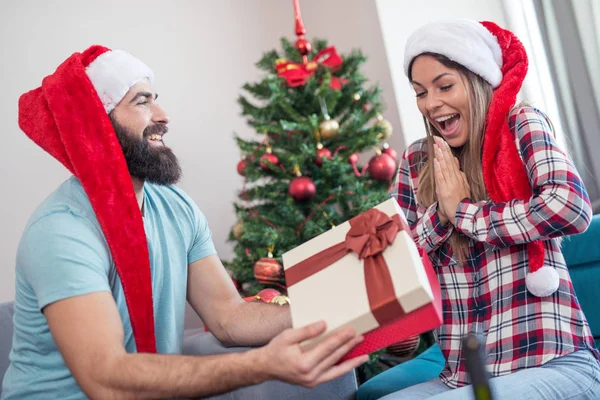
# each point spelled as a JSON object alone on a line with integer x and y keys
{"x": 107, "y": 262}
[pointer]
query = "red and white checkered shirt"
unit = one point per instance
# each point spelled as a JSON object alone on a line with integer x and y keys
{"x": 487, "y": 296}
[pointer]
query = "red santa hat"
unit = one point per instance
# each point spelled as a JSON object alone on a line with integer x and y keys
{"x": 496, "y": 55}
{"x": 67, "y": 116}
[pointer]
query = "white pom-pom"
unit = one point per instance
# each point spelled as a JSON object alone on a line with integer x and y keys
{"x": 543, "y": 282}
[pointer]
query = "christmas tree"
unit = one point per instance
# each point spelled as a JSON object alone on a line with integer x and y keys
{"x": 313, "y": 114}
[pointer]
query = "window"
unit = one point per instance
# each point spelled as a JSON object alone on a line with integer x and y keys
{"x": 538, "y": 88}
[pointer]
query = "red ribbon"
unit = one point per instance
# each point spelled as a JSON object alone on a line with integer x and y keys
{"x": 370, "y": 234}
{"x": 297, "y": 74}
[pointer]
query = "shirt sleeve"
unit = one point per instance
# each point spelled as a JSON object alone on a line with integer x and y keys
{"x": 426, "y": 229}
{"x": 64, "y": 255}
{"x": 202, "y": 244}
{"x": 559, "y": 206}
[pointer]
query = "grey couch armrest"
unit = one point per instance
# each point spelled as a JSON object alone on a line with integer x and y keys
{"x": 343, "y": 388}
{"x": 6, "y": 336}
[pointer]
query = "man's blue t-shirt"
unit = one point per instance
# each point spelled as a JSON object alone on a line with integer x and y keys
{"x": 63, "y": 253}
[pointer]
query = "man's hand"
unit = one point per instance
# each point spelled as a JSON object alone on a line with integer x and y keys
{"x": 451, "y": 183}
{"x": 283, "y": 358}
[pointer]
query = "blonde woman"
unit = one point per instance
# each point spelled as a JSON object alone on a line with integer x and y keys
{"x": 487, "y": 193}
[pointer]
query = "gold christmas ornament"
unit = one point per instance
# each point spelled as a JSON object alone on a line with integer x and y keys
{"x": 238, "y": 229}
{"x": 356, "y": 96}
{"x": 281, "y": 300}
{"x": 387, "y": 127}
{"x": 329, "y": 128}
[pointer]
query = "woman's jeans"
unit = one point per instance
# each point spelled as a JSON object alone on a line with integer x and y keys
{"x": 574, "y": 376}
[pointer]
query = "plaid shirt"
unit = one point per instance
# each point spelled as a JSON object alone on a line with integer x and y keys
{"x": 488, "y": 295}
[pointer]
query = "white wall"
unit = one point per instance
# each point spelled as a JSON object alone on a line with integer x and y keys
{"x": 202, "y": 52}
{"x": 398, "y": 22}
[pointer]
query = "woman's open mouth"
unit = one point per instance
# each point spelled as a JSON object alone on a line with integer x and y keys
{"x": 448, "y": 125}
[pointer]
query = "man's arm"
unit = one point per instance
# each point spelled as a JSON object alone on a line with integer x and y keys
{"x": 231, "y": 319}
{"x": 88, "y": 332}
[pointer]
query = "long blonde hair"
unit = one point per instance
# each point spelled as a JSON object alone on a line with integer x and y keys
{"x": 479, "y": 92}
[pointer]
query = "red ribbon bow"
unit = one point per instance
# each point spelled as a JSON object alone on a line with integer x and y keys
{"x": 370, "y": 234}
{"x": 297, "y": 74}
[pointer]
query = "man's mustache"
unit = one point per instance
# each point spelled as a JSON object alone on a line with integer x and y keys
{"x": 157, "y": 128}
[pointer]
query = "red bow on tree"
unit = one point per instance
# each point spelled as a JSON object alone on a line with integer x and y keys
{"x": 297, "y": 74}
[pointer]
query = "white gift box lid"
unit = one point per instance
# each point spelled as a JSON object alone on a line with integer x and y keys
{"x": 338, "y": 295}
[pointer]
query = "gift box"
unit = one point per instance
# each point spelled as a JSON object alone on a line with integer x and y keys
{"x": 368, "y": 274}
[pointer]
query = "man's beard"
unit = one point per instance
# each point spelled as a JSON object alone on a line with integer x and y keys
{"x": 157, "y": 165}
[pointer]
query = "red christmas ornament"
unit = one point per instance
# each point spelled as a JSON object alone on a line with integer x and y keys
{"x": 382, "y": 167}
{"x": 405, "y": 348}
{"x": 322, "y": 153}
{"x": 272, "y": 158}
{"x": 268, "y": 270}
{"x": 303, "y": 46}
{"x": 302, "y": 188}
{"x": 241, "y": 166}
{"x": 390, "y": 152}
{"x": 353, "y": 159}
{"x": 270, "y": 296}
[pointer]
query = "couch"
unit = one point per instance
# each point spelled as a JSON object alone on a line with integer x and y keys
{"x": 582, "y": 255}
{"x": 202, "y": 343}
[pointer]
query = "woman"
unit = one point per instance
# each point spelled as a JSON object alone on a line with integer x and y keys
{"x": 487, "y": 193}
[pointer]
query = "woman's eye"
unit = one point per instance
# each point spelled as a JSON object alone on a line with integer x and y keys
{"x": 420, "y": 95}
{"x": 141, "y": 103}
{"x": 445, "y": 88}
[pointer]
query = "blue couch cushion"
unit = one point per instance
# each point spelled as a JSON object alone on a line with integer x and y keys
{"x": 425, "y": 367}
{"x": 582, "y": 254}
{"x": 584, "y": 248}
{"x": 586, "y": 282}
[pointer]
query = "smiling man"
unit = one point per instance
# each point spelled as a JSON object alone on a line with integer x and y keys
{"x": 106, "y": 263}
